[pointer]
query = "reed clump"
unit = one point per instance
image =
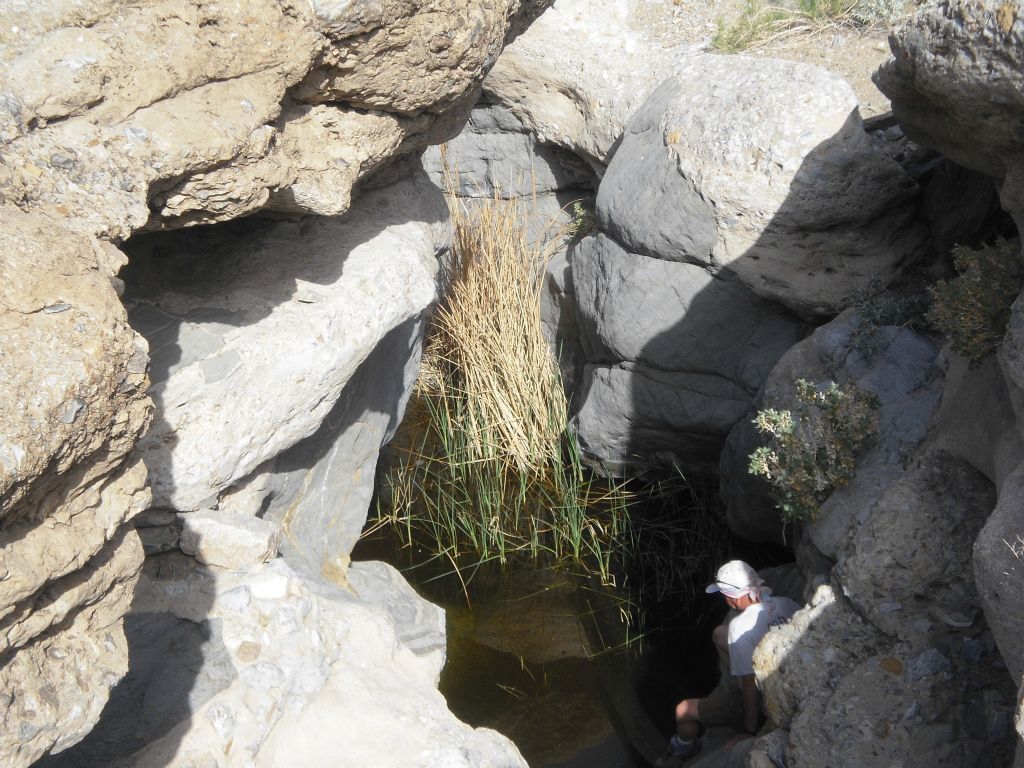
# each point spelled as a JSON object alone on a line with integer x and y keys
{"x": 485, "y": 466}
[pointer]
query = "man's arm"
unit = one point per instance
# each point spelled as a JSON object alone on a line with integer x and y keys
{"x": 751, "y": 704}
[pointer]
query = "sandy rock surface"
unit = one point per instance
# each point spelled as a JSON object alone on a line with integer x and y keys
{"x": 74, "y": 403}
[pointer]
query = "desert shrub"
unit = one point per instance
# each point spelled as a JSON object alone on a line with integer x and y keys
{"x": 759, "y": 24}
{"x": 973, "y": 308}
{"x": 583, "y": 222}
{"x": 812, "y": 449}
{"x": 878, "y": 308}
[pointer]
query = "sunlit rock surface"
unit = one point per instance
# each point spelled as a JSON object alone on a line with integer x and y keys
{"x": 117, "y": 119}
{"x": 268, "y": 668}
{"x": 73, "y": 404}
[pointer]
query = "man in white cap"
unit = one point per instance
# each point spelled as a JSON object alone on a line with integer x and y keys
{"x": 744, "y": 591}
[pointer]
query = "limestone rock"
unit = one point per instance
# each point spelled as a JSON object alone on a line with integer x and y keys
{"x": 228, "y": 541}
{"x": 709, "y": 344}
{"x": 770, "y": 176}
{"x": 971, "y": 421}
{"x": 73, "y": 404}
{"x": 169, "y": 114}
{"x": 252, "y": 351}
{"x": 633, "y": 415}
{"x": 56, "y": 686}
{"x": 899, "y": 368}
{"x": 166, "y": 104}
{"x": 378, "y": 45}
{"x": 955, "y": 82}
{"x": 264, "y": 659}
{"x": 913, "y": 708}
{"x": 496, "y": 155}
{"x": 910, "y": 585}
{"x": 321, "y": 487}
{"x": 557, "y": 80}
{"x": 802, "y": 662}
{"x": 999, "y": 572}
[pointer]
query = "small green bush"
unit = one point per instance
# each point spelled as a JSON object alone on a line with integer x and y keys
{"x": 973, "y": 308}
{"x": 813, "y": 448}
{"x": 583, "y": 222}
{"x": 879, "y": 307}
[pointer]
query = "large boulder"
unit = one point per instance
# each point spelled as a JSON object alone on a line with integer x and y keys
{"x": 894, "y": 363}
{"x": 244, "y": 668}
{"x": 912, "y": 586}
{"x": 672, "y": 352}
{"x": 845, "y": 693}
{"x": 557, "y": 77}
{"x": 769, "y": 175}
{"x": 956, "y": 81}
{"x": 496, "y": 156}
{"x": 73, "y": 404}
{"x": 171, "y": 113}
{"x": 256, "y": 331}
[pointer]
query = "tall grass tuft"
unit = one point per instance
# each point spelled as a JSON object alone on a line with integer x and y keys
{"x": 759, "y": 24}
{"x": 484, "y": 467}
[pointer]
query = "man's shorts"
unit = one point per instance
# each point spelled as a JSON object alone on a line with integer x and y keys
{"x": 724, "y": 705}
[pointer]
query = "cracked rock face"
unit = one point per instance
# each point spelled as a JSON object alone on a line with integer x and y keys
{"x": 118, "y": 119}
{"x": 75, "y": 402}
{"x": 174, "y": 112}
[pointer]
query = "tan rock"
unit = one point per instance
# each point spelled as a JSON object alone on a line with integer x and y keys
{"x": 72, "y": 406}
{"x": 55, "y": 687}
{"x": 450, "y": 43}
{"x": 228, "y": 541}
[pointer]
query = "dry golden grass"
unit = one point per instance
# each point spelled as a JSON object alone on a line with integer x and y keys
{"x": 487, "y": 339}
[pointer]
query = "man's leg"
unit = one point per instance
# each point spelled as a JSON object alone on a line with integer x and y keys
{"x": 688, "y": 725}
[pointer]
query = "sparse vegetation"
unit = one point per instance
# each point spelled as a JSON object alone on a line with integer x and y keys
{"x": 759, "y": 24}
{"x": 486, "y": 465}
{"x": 484, "y": 468}
{"x": 973, "y": 308}
{"x": 583, "y": 223}
{"x": 878, "y": 308}
{"x": 812, "y": 449}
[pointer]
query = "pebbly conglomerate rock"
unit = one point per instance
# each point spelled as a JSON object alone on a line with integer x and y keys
{"x": 75, "y": 402}
{"x": 118, "y": 119}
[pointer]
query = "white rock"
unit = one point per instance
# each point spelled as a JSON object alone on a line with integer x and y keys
{"x": 293, "y": 310}
{"x": 228, "y": 541}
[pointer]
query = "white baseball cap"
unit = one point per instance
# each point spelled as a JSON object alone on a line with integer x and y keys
{"x": 735, "y": 579}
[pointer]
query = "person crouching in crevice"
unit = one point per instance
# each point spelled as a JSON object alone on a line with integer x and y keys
{"x": 759, "y": 612}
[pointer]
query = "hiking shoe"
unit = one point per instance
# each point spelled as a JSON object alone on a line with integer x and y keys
{"x": 678, "y": 752}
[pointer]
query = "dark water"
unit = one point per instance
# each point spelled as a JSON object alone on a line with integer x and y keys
{"x": 546, "y": 660}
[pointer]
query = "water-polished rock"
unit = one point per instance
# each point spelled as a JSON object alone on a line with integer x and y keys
{"x": 675, "y": 351}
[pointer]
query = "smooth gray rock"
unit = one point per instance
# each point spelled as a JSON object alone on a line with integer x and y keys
{"x": 762, "y": 168}
{"x": 901, "y": 372}
{"x": 320, "y": 489}
{"x": 675, "y": 317}
{"x": 494, "y": 155}
{"x": 645, "y": 203}
{"x": 675, "y": 354}
{"x": 257, "y": 327}
{"x": 971, "y": 422}
{"x": 633, "y": 416}
{"x": 999, "y": 571}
